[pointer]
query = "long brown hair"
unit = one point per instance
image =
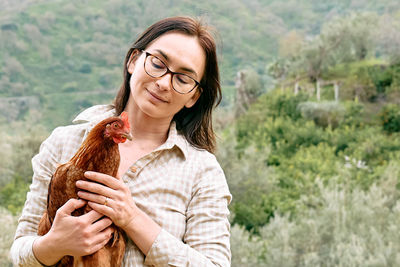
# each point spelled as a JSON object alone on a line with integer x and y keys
{"x": 194, "y": 123}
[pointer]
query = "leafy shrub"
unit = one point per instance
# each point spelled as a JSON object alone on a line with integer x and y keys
{"x": 390, "y": 118}
{"x": 285, "y": 104}
{"x": 394, "y": 70}
{"x": 8, "y": 224}
{"x": 374, "y": 147}
{"x": 85, "y": 68}
{"x": 324, "y": 114}
{"x": 308, "y": 163}
{"x": 70, "y": 87}
{"x": 381, "y": 76}
{"x": 13, "y": 195}
{"x": 361, "y": 78}
{"x": 286, "y": 137}
{"x": 349, "y": 227}
{"x": 266, "y": 109}
{"x": 246, "y": 250}
{"x": 15, "y": 169}
{"x": 275, "y": 159}
{"x": 253, "y": 83}
{"x": 353, "y": 113}
{"x": 342, "y": 226}
{"x": 250, "y": 181}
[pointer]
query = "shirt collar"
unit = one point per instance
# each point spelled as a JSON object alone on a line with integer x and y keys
{"x": 95, "y": 114}
{"x": 175, "y": 140}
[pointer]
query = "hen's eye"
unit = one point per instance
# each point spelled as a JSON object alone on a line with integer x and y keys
{"x": 115, "y": 125}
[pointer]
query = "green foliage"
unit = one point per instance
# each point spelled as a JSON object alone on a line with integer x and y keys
{"x": 283, "y": 104}
{"x": 13, "y": 194}
{"x": 267, "y": 107}
{"x": 59, "y": 104}
{"x": 250, "y": 181}
{"x": 246, "y": 250}
{"x": 390, "y": 118}
{"x": 353, "y": 113}
{"x": 342, "y": 226}
{"x": 393, "y": 73}
{"x": 365, "y": 79}
{"x": 72, "y": 35}
{"x": 324, "y": 114}
{"x": 381, "y": 77}
{"x": 18, "y": 144}
{"x": 46, "y": 46}
{"x": 8, "y": 223}
{"x": 253, "y": 83}
{"x": 283, "y": 145}
{"x": 349, "y": 51}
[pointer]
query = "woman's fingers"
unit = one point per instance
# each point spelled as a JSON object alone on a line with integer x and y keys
{"x": 94, "y": 188}
{"x": 91, "y": 216}
{"x": 103, "y": 209}
{"x": 71, "y": 205}
{"x": 101, "y": 200}
{"x": 79, "y": 235}
{"x": 108, "y": 196}
{"x": 103, "y": 239}
{"x": 102, "y": 178}
{"x": 101, "y": 225}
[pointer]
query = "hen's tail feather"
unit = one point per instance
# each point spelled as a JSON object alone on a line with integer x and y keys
{"x": 67, "y": 261}
{"x": 116, "y": 236}
{"x": 44, "y": 224}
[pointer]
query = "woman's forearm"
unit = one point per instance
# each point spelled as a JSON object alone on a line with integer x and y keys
{"x": 143, "y": 231}
{"x": 45, "y": 250}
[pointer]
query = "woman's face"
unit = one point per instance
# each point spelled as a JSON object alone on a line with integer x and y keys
{"x": 155, "y": 96}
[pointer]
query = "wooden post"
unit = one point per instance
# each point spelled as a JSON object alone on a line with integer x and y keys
{"x": 336, "y": 86}
{"x": 296, "y": 88}
{"x": 241, "y": 97}
{"x": 318, "y": 90}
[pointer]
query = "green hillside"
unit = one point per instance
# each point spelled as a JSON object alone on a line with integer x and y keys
{"x": 69, "y": 47}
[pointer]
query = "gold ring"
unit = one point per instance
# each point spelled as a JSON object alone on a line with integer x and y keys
{"x": 105, "y": 202}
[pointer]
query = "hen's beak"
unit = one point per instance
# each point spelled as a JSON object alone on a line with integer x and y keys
{"x": 127, "y": 135}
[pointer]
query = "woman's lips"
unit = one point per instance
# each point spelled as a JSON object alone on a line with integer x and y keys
{"x": 156, "y": 96}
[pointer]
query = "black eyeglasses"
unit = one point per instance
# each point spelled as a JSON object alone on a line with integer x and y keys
{"x": 156, "y": 68}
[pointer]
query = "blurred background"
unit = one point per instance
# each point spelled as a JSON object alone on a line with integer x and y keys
{"x": 308, "y": 129}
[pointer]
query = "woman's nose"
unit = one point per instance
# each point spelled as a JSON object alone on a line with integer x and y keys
{"x": 164, "y": 82}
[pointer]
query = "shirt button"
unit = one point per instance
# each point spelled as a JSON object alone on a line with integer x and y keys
{"x": 133, "y": 169}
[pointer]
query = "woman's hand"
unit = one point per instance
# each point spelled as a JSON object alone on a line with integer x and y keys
{"x": 70, "y": 235}
{"x": 109, "y": 196}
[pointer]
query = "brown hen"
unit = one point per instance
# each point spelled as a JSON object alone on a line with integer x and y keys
{"x": 99, "y": 153}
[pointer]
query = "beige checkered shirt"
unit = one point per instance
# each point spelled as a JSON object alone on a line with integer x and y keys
{"x": 180, "y": 187}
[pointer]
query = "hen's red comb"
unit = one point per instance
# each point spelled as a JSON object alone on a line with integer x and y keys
{"x": 124, "y": 117}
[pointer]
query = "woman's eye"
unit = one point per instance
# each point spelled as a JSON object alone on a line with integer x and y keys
{"x": 156, "y": 63}
{"x": 183, "y": 79}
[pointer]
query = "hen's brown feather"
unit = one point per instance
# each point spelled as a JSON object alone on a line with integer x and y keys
{"x": 99, "y": 154}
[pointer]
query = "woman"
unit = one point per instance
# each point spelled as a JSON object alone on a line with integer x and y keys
{"x": 171, "y": 195}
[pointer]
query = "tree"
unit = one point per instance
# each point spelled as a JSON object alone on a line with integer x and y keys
{"x": 341, "y": 40}
{"x": 290, "y": 45}
{"x": 354, "y": 35}
{"x": 388, "y": 38}
{"x": 248, "y": 89}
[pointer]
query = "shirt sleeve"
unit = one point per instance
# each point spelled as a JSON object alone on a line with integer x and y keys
{"x": 206, "y": 240}
{"x": 43, "y": 164}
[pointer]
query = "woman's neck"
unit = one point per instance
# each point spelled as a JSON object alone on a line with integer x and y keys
{"x": 145, "y": 128}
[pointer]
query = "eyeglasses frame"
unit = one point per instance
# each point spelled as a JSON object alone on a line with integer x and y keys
{"x": 168, "y": 71}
